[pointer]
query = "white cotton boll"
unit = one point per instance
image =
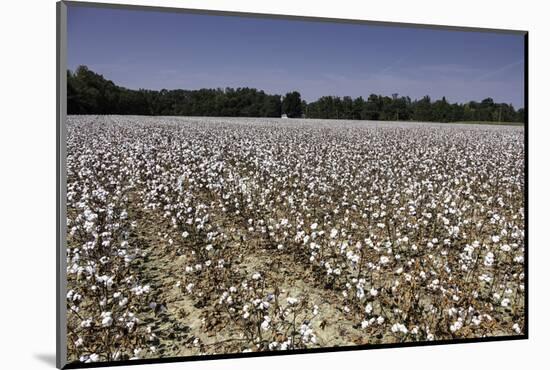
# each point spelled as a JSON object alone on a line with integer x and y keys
{"x": 485, "y": 278}
{"x": 107, "y": 321}
{"x": 399, "y": 328}
{"x": 265, "y": 324}
{"x": 373, "y": 292}
{"x": 489, "y": 259}
{"x": 380, "y": 320}
{"x": 185, "y": 234}
{"x": 360, "y": 293}
{"x": 291, "y": 301}
{"x": 456, "y": 325}
{"x": 368, "y": 308}
{"x": 505, "y": 302}
{"x": 256, "y": 276}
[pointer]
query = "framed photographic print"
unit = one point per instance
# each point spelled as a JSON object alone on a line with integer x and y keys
{"x": 234, "y": 184}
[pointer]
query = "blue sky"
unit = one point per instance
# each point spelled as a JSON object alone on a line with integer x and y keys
{"x": 155, "y": 50}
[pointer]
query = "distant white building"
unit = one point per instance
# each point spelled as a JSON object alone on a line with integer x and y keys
{"x": 284, "y": 116}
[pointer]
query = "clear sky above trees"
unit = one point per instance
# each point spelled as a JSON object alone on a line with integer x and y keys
{"x": 156, "y": 50}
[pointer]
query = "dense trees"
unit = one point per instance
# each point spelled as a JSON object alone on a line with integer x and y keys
{"x": 396, "y": 108}
{"x": 90, "y": 93}
{"x": 292, "y": 105}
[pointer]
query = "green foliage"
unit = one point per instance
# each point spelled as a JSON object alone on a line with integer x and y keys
{"x": 292, "y": 104}
{"x": 90, "y": 93}
{"x": 395, "y": 108}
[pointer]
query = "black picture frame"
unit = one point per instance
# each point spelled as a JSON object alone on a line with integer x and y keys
{"x": 61, "y": 117}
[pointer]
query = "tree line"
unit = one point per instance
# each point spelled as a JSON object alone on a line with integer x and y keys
{"x": 90, "y": 93}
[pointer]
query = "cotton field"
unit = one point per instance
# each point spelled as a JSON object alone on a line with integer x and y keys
{"x": 193, "y": 236}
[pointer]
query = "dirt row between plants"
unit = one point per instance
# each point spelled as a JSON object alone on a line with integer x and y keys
{"x": 180, "y": 322}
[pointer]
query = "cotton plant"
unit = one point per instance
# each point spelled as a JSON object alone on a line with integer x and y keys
{"x": 267, "y": 318}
